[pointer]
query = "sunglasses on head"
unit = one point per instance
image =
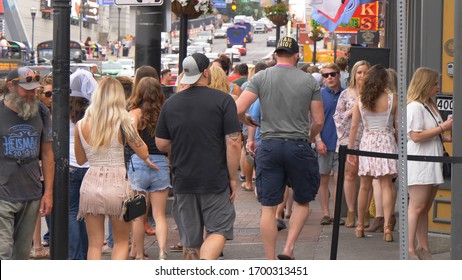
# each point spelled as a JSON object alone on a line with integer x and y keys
{"x": 332, "y": 74}
{"x": 26, "y": 79}
{"x": 47, "y": 93}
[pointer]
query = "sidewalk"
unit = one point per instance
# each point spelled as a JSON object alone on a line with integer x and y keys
{"x": 314, "y": 242}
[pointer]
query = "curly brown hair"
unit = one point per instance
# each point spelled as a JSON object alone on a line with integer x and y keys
{"x": 375, "y": 83}
{"x": 148, "y": 97}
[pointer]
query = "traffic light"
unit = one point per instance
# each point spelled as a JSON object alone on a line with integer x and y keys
{"x": 233, "y": 6}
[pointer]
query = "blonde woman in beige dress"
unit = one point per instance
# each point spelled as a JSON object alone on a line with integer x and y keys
{"x": 98, "y": 140}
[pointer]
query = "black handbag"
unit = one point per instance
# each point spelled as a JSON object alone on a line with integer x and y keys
{"x": 447, "y": 167}
{"x": 134, "y": 207}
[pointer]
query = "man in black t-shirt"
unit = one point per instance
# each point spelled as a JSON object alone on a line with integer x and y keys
{"x": 200, "y": 130}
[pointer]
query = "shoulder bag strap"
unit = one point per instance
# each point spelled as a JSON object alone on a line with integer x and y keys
{"x": 436, "y": 122}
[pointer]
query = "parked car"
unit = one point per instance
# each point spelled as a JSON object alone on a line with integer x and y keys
{"x": 220, "y": 33}
{"x": 271, "y": 41}
{"x": 207, "y": 46}
{"x": 91, "y": 67}
{"x": 195, "y": 49}
{"x": 242, "y": 50}
{"x": 206, "y": 34}
{"x": 226, "y": 25}
{"x": 212, "y": 56}
{"x": 269, "y": 24}
{"x": 260, "y": 27}
{"x": 111, "y": 68}
{"x": 234, "y": 52}
{"x": 127, "y": 63}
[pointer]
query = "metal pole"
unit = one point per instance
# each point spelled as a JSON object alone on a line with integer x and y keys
{"x": 278, "y": 28}
{"x": 342, "y": 154}
{"x": 183, "y": 40}
{"x": 118, "y": 26}
{"x": 335, "y": 46}
{"x": 314, "y": 52}
{"x": 61, "y": 66}
{"x": 456, "y": 190}
{"x": 33, "y": 13}
{"x": 402, "y": 135}
{"x": 80, "y": 23}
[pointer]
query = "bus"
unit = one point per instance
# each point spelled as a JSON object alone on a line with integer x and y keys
{"x": 15, "y": 57}
{"x": 45, "y": 52}
{"x": 249, "y": 28}
{"x": 236, "y": 35}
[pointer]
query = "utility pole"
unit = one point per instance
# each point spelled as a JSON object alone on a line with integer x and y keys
{"x": 456, "y": 191}
{"x": 118, "y": 25}
{"x": 61, "y": 66}
{"x": 278, "y": 28}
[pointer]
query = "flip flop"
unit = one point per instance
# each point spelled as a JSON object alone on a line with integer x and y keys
{"x": 176, "y": 248}
{"x": 285, "y": 257}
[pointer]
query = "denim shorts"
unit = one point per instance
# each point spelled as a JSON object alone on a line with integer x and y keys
{"x": 328, "y": 163}
{"x": 280, "y": 162}
{"x": 146, "y": 179}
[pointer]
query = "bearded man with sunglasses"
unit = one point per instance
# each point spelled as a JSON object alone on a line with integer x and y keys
{"x": 24, "y": 134}
{"x": 326, "y": 141}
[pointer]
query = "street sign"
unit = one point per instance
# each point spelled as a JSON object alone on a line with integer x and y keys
{"x": 139, "y": 2}
{"x": 444, "y": 102}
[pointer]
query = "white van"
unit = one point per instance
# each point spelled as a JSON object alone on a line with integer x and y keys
{"x": 164, "y": 42}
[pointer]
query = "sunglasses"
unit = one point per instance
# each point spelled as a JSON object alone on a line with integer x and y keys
{"x": 332, "y": 74}
{"x": 27, "y": 79}
{"x": 47, "y": 93}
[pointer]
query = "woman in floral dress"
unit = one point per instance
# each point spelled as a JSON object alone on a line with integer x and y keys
{"x": 376, "y": 107}
{"x": 342, "y": 118}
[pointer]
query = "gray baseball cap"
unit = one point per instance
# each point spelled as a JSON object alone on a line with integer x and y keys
{"x": 193, "y": 66}
{"x": 25, "y": 78}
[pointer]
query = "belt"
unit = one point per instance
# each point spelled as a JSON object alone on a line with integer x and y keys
{"x": 290, "y": 139}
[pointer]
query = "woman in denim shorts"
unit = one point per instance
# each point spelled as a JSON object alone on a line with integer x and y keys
{"x": 144, "y": 107}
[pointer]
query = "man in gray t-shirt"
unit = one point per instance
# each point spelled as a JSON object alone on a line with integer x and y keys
{"x": 287, "y": 97}
{"x": 24, "y": 135}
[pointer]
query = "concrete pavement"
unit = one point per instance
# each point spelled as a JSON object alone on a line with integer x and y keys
{"x": 314, "y": 242}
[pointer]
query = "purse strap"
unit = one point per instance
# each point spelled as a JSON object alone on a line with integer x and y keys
{"x": 437, "y": 124}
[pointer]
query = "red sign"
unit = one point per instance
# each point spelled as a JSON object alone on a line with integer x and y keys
{"x": 366, "y": 17}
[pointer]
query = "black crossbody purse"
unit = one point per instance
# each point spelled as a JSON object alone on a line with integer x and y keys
{"x": 447, "y": 168}
{"x": 133, "y": 207}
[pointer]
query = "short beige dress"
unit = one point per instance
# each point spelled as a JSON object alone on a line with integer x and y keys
{"x": 104, "y": 187}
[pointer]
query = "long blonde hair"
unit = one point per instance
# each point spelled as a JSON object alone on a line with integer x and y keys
{"x": 355, "y": 69}
{"x": 422, "y": 82}
{"x": 107, "y": 113}
{"x": 392, "y": 80}
{"x": 219, "y": 80}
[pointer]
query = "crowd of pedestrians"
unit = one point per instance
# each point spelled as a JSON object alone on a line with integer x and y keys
{"x": 273, "y": 126}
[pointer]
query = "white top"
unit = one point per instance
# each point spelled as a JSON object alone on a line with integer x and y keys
{"x": 72, "y": 160}
{"x": 423, "y": 173}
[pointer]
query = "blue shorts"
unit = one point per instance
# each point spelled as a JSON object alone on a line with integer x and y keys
{"x": 146, "y": 179}
{"x": 280, "y": 162}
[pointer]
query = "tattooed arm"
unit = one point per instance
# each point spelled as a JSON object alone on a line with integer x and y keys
{"x": 233, "y": 151}
{"x": 138, "y": 145}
